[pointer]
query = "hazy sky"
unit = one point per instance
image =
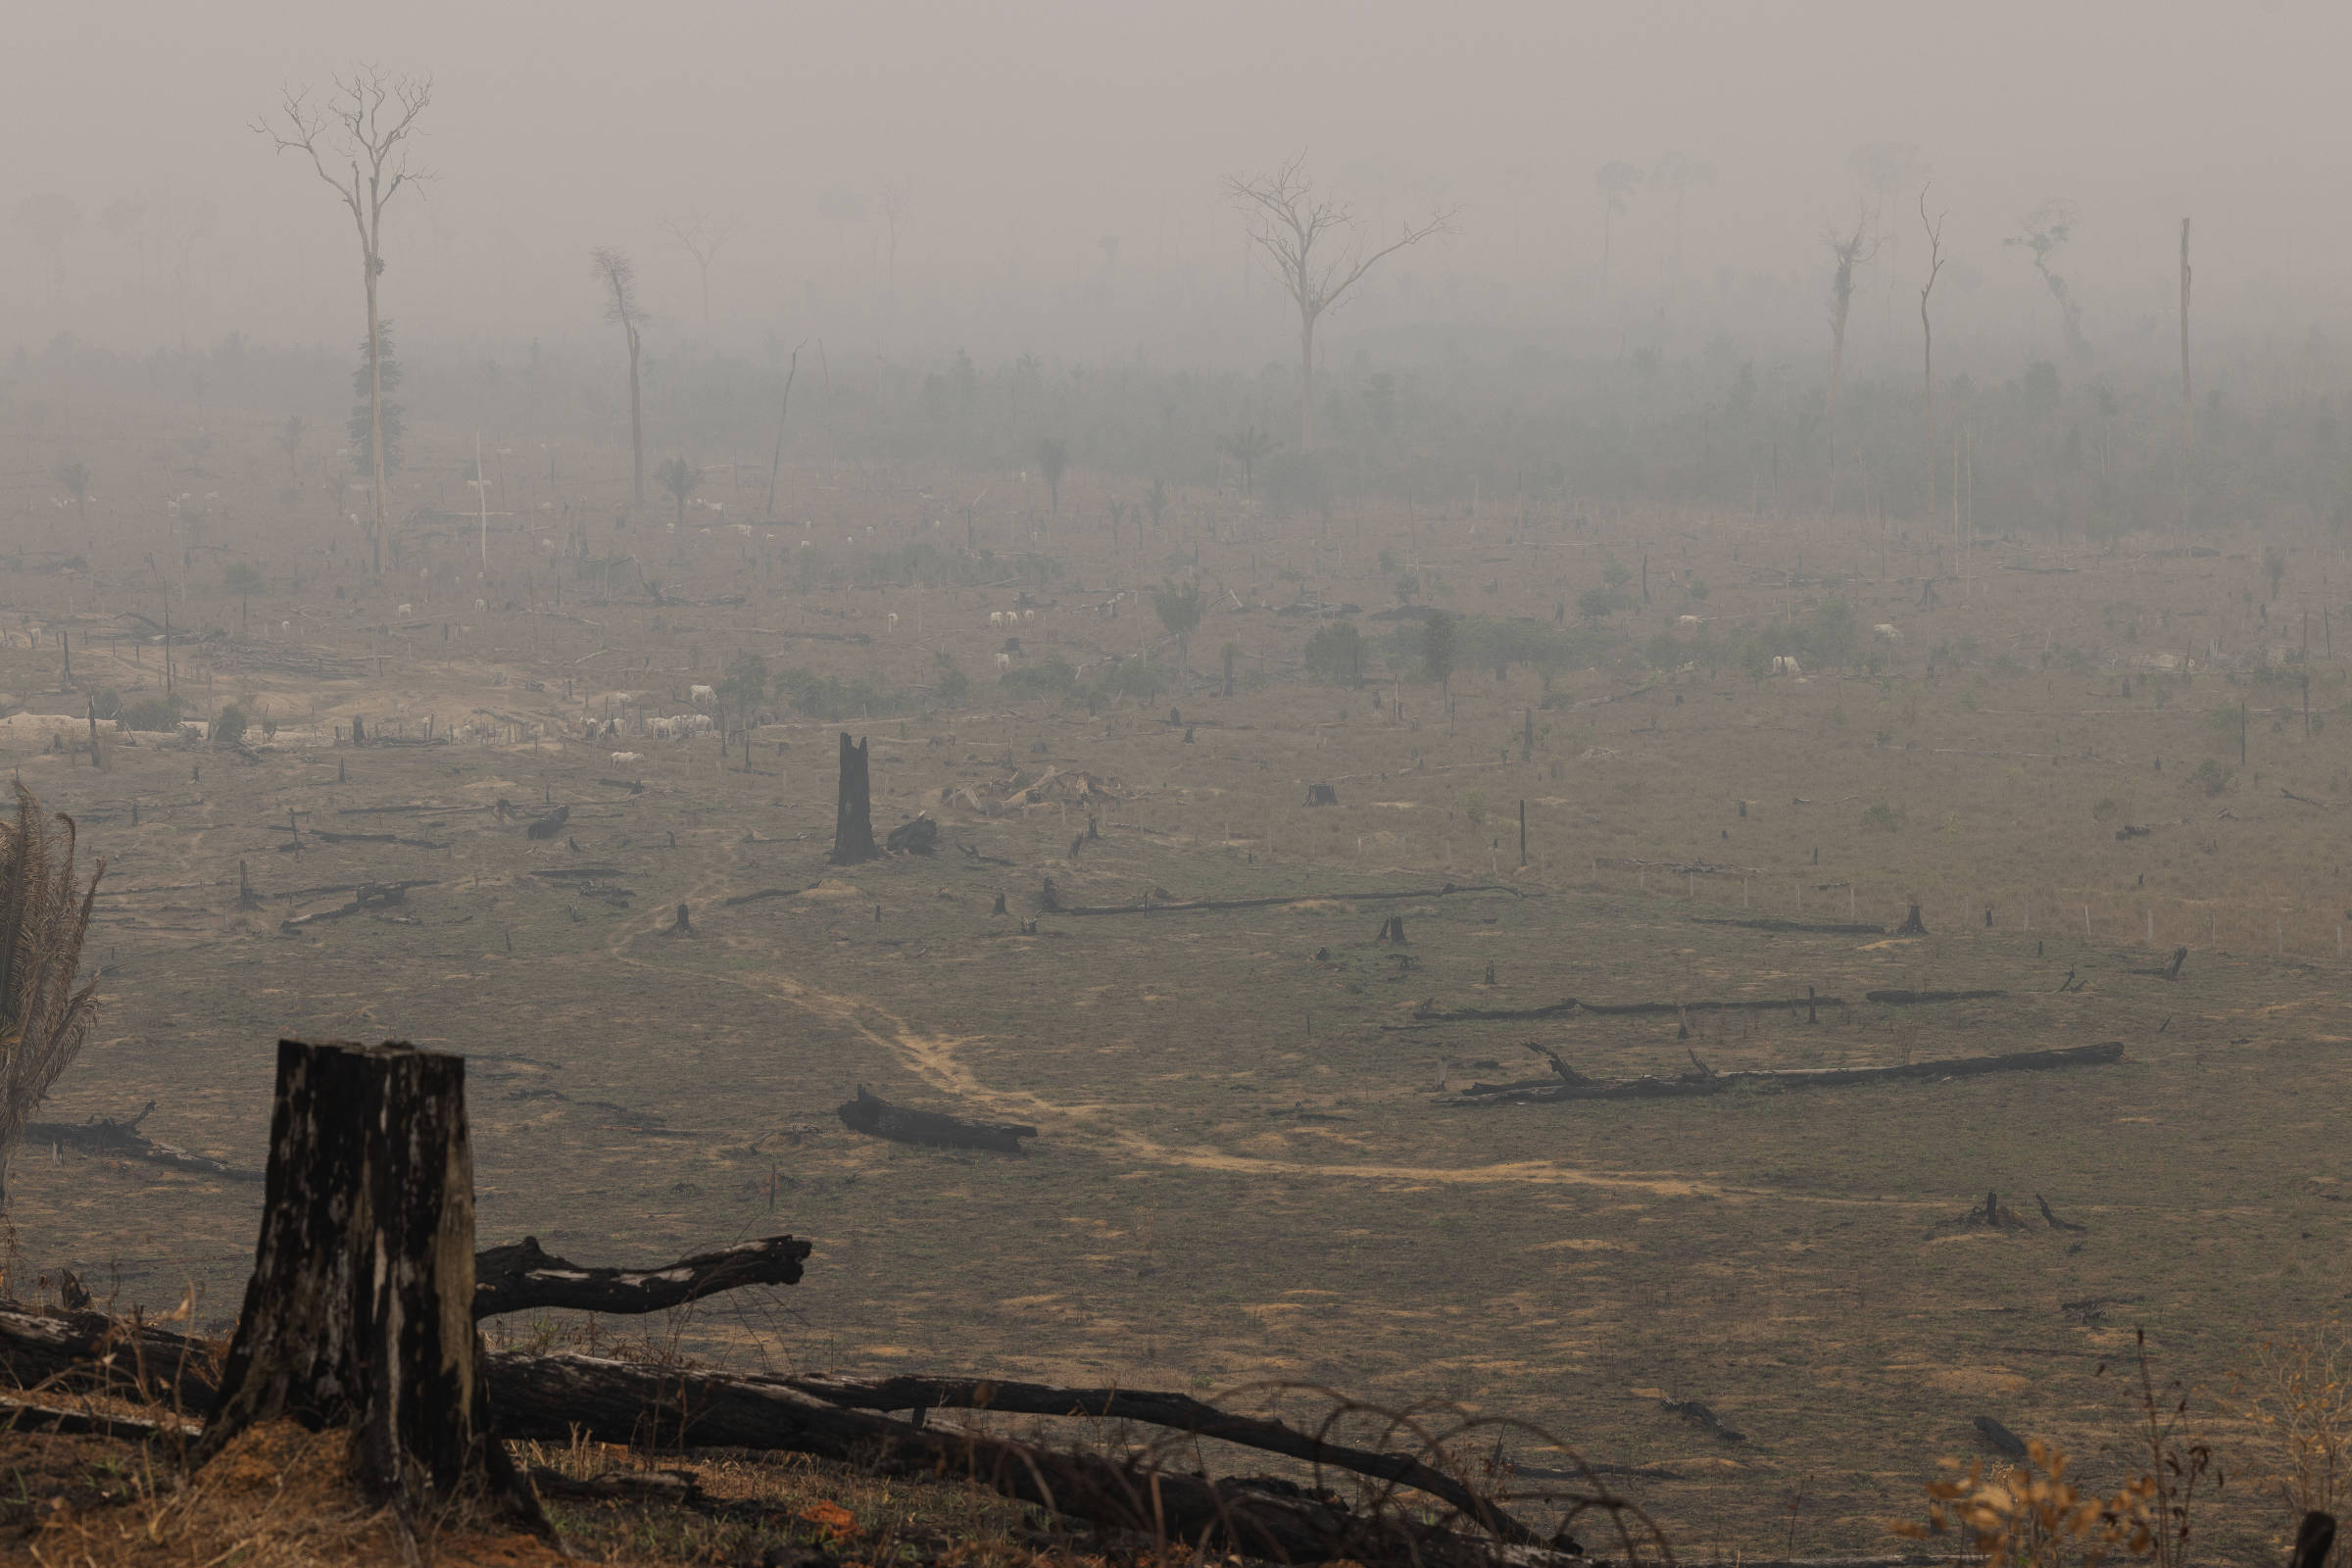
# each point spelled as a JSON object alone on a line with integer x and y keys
{"x": 1024, "y": 132}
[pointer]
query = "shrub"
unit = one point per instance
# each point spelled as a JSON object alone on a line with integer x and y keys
{"x": 1051, "y": 676}
{"x": 1883, "y": 819}
{"x": 1335, "y": 655}
{"x": 2212, "y": 777}
{"x": 229, "y": 727}
{"x": 158, "y": 715}
{"x": 2105, "y": 808}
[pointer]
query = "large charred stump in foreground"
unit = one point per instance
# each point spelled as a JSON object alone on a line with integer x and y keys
{"x": 854, "y": 810}
{"x": 360, "y": 1313}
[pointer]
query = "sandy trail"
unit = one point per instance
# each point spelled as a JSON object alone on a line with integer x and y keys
{"x": 933, "y": 1058}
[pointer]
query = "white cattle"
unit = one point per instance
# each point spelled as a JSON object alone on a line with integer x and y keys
{"x": 1004, "y": 660}
{"x": 1028, "y": 615}
{"x": 996, "y": 617}
{"x": 1885, "y": 632}
{"x": 1688, "y": 620}
{"x": 701, "y": 694}
{"x": 1784, "y": 665}
{"x": 624, "y": 757}
{"x": 894, "y": 620}
{"x": 408, "y": 610}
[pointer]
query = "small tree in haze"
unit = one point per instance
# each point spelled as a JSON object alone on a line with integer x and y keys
{"x": 1249, "y": 447}
{"x": 1155, "y": 502}
{"x": 76, "y": 481}
{"x": 1054, "y": 461}
{"x": 357, "y": 142}
{"x": 289, "y": 441}
{"x": 681, "y": 479}
{"x": 1315, "y": 247}
{"x": 1437, "y": 652}
{"x": 1178, "y": 607}
{"x": 617, "y": 276}
{"x": 377, "y": 377}
{"x": 243, "y": 581}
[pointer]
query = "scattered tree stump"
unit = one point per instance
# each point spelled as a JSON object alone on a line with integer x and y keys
{"x": 683, "y": 927}
{"x": 1392, "y": 930}
{"x": 918, "y": 837}
{"x": 852, "y": 811}
{"x": 1322, "y": 794}
{"x": 1913, "y": 925}
{"x": 360, "y": 1312}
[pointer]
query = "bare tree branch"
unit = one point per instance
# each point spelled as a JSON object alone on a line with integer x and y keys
{"x": 1287, "y": 218}
{"x": 357, "y": 142}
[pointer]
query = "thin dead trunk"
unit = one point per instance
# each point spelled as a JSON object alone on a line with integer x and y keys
{"x": 2188, "y": 403}
{"x": 637, "y": 426}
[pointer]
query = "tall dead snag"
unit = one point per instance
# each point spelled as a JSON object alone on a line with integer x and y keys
{"x": 45, "y": 1018}
{"x": 1926, "y": 339}
{"x": 854, "y": 808}
{"x": 2188, "y": 401}
{"x": 1315, "y": 248}
{"x": 357, "y": 143}
{"x": 360, "y": 1312}
{"x": 1847, "y": 251}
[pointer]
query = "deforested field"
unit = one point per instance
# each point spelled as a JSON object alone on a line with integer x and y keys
{"x": 1257, "y": 1157}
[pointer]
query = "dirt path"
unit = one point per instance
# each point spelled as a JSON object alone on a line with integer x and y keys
{"x": 933, "y": 1058}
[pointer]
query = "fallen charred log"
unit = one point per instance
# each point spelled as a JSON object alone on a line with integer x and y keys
{"x": 1822, "y": 928}
{"x": 1917, "y": 998}
{"x": 367, "y": 896}
{"x": 554, "y": 1398}
{"x": 521, "y": 1277}
{"x": 123, "y": 1139}
{"x": 1705, "y": 1081}
{"x": 1197, "y": 906}
{"x": 564, "y": 1398}
{"x": 1176, "y": 1411}
{"x": 879, "y": 1118}
{"x": 1428, "y": 1014}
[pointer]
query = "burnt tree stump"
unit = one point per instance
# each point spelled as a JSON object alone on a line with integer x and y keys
{"x": 360, "y": 1312}
{"x": 853, "y": 812}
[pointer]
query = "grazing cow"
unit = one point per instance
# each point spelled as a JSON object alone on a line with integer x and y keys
{"x": 1885, "y": 632}
{"x": 1028, "y": 615}
{"x": 624, "y": 757}
{"x": 701, "y": 694}
{"x": 894, "y": 620}
{"x": 1784, "y": 665}
{"x": 1004, "y": 660}
{"x": 996, "y": 617}
{"x": 1688, "y": 620}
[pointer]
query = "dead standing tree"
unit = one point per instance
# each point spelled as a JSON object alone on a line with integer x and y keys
{"x": 1847, "y": 251}
{"x": 45, "y": 1018}
{"x": 2046, "y": 230}
{"x": 362, "y": 131}
{"x": 700, "y": 235}
{"x": 1314, "y": 246}
{"x": 618, "y": 276}
{"x": 2189, "y": 405}
{"x": 853, "y": 812}
{"x": 1927, "y": 338}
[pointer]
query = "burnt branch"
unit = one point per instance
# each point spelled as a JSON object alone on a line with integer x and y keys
{"x": 523, "y": 1277}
